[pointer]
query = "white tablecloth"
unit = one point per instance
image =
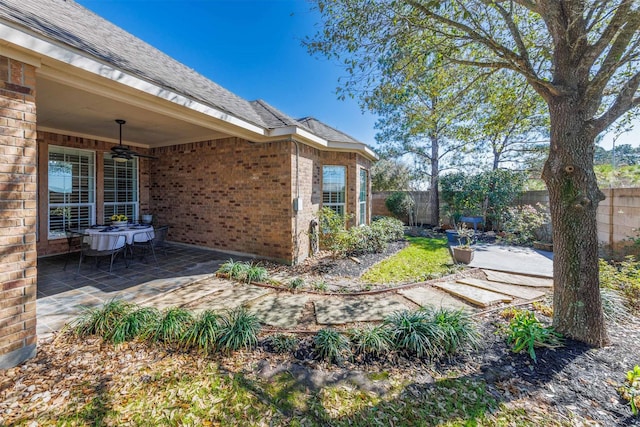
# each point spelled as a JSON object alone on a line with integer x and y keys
{"x": 107, "y": 240}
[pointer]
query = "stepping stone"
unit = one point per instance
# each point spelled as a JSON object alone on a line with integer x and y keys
{"x": 188, "y": 294}
{"x": 518, "y": 279}
{"x": 279, "y": 310}
{"x": 522, "y": 292}
{"x": 341, "y": 310}
{"x": 430, "y": 296}
{"x": 229, "y": 298}
{"x": 474, "y": 295}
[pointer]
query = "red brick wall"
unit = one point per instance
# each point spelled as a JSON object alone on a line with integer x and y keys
{"x": 101, "y": 148}
{"x": 18, "y": 165}
{"x": 227, "y": 194}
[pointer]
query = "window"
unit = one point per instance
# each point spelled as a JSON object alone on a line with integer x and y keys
{"x": 120, "y": 188}
{"x": 71, "y": 177}
{"x": 333, "y": 188}
{"x": 362, "y": 197}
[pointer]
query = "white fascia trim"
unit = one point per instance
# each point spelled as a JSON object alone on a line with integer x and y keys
{"x": 321, "y": 143}
{"x": 66, "y": 56}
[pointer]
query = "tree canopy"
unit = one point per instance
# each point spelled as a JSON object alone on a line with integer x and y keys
{"x": 582, "y": 57}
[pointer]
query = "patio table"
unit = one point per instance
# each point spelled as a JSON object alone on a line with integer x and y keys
{"x": 102, "y": 240}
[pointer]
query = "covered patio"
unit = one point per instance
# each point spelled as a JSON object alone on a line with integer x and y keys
{"x": 62, "y": 293}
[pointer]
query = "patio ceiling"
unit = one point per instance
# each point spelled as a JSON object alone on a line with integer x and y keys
{"x": 63, "y": 108}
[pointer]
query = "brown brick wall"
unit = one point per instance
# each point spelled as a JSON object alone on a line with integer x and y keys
{"x": 101, "y": 148}
{"x": 18, "y": 166}
{"x": 227, "y": 194}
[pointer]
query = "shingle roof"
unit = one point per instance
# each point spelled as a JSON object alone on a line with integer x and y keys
{"x": 325, "y": 131}
{"x": 67, "y": 22}
{"x": 273, "y": 117}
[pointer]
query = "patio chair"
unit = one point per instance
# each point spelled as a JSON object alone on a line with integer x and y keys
{"x": 74, "y": 242}
{"x": 159, "y": 241}
{"x": 143, "y": 242}
{"x": 111, "y": 247}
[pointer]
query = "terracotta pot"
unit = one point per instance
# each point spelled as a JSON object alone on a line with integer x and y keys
{"x": 463, "y": 255}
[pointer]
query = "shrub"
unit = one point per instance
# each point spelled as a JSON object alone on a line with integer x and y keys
{"x": 331, "y": 345}
{"x": 283, "y": 343}
{"x": 400, "y": 203}
{"x": 172, "y": 325}
{"x": 137, "y": 323}
{"x": 391, "y": 229}
{"x": 457, "y": 330}
{"x": 239, "y": 329}
{"x": 370, "y": 340}
{"x": 234, "y": 269}
{"x": 630, "y": 391}
{"x": 520, "y": 224}
{"x": 255, "y": 273}
{"x": 204, "y": 333}
{"x": 244, "y": 271}
{"x": 526, "y": 333}
{"x": 331, "y": 228}
{"x": 102, "y": 320}
{"x": 414, "y": 333}
{"x": 623, "y": 277}
{"x": 296, "y": 283}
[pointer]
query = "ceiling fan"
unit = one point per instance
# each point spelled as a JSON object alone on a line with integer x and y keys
{"x": 122, "y": 153}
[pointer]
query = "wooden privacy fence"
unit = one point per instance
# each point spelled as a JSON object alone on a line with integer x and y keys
{"x": 618, "y": 215}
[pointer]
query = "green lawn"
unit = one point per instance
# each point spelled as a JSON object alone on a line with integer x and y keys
{"x": 423, "y": 259}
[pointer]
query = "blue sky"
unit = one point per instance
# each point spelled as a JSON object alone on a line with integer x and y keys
{"x": 250, "y": 47}
{"x": 253, "y": 48}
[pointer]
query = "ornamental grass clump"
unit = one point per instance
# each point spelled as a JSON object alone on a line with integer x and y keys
{"x": 331, "y": 345}
{"x": 458, "y": 332}
{"x": 173, "y": 324}
{"x": 138, "y": 323}
{"x": 238, "y": 329}
{"x": 414, "y": 333}
{"x": 370, "y": 340}
{"x": 526, "y": 333}
{"x": 203, "y": 334}
{"x": 102, "y": 320}
{"x": 283, "y": 343}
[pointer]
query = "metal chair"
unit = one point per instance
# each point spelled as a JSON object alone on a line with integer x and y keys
{"x": 143, "y": 241}
{"x": 74, "y": 242}
{"x": 91, "y": 247}
{"x": 160, "y": 234}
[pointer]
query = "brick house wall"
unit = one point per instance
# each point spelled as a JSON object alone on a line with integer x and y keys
{"x": 18, "y": 166}
{"x": 227, "y": 194}
{"x": 101, "y": 149}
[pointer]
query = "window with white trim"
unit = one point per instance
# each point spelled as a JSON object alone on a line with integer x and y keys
{"x": 334, "y": 179}
{"x": 71, "y": 192}
{"x": 120, "y": 189}
{"x": 362, "y": 197}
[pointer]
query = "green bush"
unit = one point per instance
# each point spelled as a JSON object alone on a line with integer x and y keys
{"x": 173, "y": 324}
{"x": 623, "y": 277}
{"x": 400, "y": 203}
{"x": 414, "y": 333}
{"x": 331, "y": 345}
{"x": 239, "y": 329}
{"x": 521, "y": 222}
{"x": 526, "y": 333}
{"x": 204, "y": 333}
{"x": 139, "y": 322}
{"x": 296, "y": 283}
{"x": 244, "y": 271}
{"x": 283, "y": 343}
{"x": 370, "y": 340}
{"x": 102, "y": 320}
{"x": 331, "y": 227}
{"x": 457, "y": 330}
{"x": 391, "y": 229}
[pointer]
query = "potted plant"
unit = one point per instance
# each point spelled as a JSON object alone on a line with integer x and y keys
{"x": 119, "y": 220}
{"x": 463, "y": 252}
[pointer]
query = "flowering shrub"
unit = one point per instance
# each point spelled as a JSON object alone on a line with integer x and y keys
{"x": 521, "y": 222}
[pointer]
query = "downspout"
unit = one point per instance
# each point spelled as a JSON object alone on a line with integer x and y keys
{"x": 296, "y": 248}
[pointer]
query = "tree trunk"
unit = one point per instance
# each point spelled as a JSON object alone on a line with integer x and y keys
{"x": 574, "y": 197}
{"x": 434, "y": 198}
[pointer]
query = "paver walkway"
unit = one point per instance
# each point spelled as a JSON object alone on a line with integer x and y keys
{"x": 281, "y": 309}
